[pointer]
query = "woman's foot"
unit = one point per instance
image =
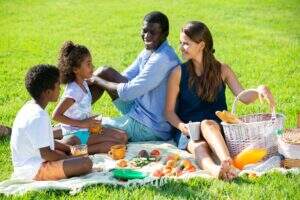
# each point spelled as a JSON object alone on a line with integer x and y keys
{"x": 225, "y": 171}
{"x": 219, "y": 171}
{"x": 230, "y": 172}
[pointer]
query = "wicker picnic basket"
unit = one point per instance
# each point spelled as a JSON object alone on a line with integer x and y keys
{"x": 289, "y": 147}
{"x": 256, "y": 129}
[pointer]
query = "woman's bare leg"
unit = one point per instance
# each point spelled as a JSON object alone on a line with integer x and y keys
{"x": 212, "y": 134}
{"x": 204, "y": 160}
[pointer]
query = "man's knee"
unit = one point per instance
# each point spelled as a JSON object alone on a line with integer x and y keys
{"x": 104, "y": 72}
{"x": 124, "y": 137}
{"x": 121, "y": 136}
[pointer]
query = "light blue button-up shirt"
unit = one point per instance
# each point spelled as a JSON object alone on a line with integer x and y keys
{"x": 147, "y": 86}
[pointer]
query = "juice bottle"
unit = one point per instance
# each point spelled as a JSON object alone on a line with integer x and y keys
{"x": 249, "y": 156}
{"x": 96, "y": 129}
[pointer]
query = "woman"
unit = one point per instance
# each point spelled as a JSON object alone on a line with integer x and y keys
{"x": 196, "y": 90}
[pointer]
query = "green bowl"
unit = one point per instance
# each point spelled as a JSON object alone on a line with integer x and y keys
{"x": 128, "y": 174}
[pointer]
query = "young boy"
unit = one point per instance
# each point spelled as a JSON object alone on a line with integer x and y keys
{"x": 35, "y": 154}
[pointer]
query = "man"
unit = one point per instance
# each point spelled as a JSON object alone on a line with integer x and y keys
{"x": 139, "y": 92}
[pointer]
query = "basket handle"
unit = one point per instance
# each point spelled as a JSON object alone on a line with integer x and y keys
{"x": 237, "y": 98}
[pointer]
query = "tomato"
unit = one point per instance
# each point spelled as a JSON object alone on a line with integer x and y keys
{"x": 158, "y": 173}
{"x": 155, "y": 152}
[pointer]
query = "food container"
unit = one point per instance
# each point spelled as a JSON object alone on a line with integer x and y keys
{"x": 79, "y": 150}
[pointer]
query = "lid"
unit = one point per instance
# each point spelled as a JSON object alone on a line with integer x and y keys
{"x": 291, "y": 136}
{"x": 127, "y": 174}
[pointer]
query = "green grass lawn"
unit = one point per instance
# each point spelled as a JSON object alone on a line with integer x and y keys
{"x": 258, "y": 39}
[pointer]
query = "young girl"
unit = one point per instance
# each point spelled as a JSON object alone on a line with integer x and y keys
{"x": 197, "y": 88}
{"x": 74, "y": 110}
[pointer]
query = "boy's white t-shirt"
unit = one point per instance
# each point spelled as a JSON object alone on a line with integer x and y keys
{"x": 31, "y": 131}
{"x": 82, "y": 107}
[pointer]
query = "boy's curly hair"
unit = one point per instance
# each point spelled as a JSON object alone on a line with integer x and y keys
{"x": 40, "y": 78}
{"x": 70, "y": 57}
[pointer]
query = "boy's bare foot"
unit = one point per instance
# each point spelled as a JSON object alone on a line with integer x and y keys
{"x": 4, "y": 130}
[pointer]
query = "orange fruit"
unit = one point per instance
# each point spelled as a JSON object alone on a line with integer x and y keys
{"x": 172, "y": 156}
{"x": 167, "y": 170}
{"x": 192, "y": 168}
{"x": 171, "y": 163}
{"x": 158, "y": 173}
{"x": 122, "y": 163}
{"x": 184, "y": 164}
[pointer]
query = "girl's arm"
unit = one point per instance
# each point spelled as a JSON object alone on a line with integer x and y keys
{"x": 172, "y": 93}
{"x": 50, "y": 155}
{"x": 262, "y": 91}
{"x": 62, "y": 147}
{"x": 58, "y": 115}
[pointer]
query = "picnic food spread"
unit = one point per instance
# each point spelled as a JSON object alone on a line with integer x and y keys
{"x": 172, "y": 165}
{"x": 144, "y": 158}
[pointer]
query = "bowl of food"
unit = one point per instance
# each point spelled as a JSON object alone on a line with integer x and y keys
{"x": 79, "y": 150}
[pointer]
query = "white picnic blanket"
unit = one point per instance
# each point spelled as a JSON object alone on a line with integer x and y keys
{"x": 75, "y": 184}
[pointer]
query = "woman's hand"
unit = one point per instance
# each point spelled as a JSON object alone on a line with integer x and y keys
{"x": 183, "y": 128}
{"x": 90, "y": 122}
{"x": 265, "y": 94}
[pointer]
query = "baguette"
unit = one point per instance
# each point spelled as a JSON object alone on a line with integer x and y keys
{"x": 228, "y": 117}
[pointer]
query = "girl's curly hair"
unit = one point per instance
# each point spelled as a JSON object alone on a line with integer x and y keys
{"x": 70, "y": 57}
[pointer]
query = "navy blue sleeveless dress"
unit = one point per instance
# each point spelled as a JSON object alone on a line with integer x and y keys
{"x": 190, "y": 107}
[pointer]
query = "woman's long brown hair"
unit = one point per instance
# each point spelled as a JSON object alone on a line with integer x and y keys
{"x": 208, "y": 84}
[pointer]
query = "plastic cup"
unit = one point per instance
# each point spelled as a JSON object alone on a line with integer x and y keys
{"x": 194, "y": 130}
